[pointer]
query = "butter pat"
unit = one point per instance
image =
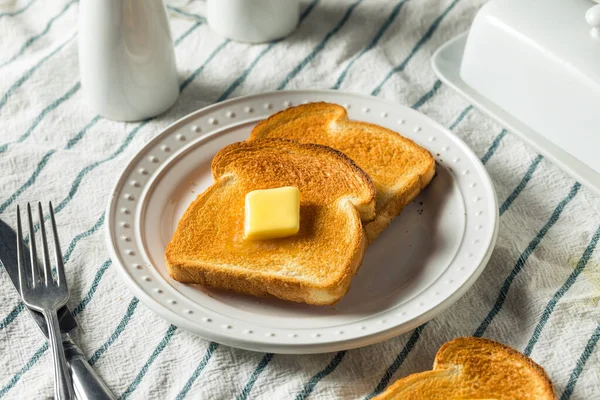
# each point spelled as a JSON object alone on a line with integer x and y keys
{"x": 272, "y": 213}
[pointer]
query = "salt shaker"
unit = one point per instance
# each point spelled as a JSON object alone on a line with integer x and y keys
{"x": 126, "y": 58}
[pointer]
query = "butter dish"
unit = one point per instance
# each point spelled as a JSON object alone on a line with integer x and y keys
{"x": 533, "y": 65}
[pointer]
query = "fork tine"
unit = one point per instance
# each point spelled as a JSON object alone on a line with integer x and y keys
{"x": 32, "y": 250}
{"x": 60, "y": 267}
{"x": 20, "y": 256}
{"x": 47, "y": 265}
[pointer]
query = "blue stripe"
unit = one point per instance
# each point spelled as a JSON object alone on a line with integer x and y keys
{"x": 523, "y": 259}
{"x": 90, "y": 294}
{"x": 561, "y": 292}
{"x": 187, "y": 33}
{"x": 115, "y": 335}
{"x": 17, "y": 12}
{"x": 425, "y": 98}
{"x": 30, "y": 72}
{"x": 521, "y": 185}
{"x": 11, "y": 315}
{"x": 34, "y": 359}
{"x": 91, "y": 167}
{"x": 41, "y": 116}
{"x": 461, "y": 116}
{"x": 188, "y": 385}
{"x": 492, "y": 149}
{"x": 259, "y": 369}
{"x": 197, "y": 71}
{"x": 415, "y": 49}
{"x": 244, "y": 75}
{"x": 29, "y": 181}
{"x": 34, "y": 38}
{"x": 589, "y": 348}
{"x": 186, "y": 13}
{"x": 309, "y": 387}
{"x": 40, "y": 166}
{"x": 410, "y": 344}
{"x": 82, "y": 235}
{"x": 247, "y": 71}
{"x": 388, "y": 22}
{"x": 308, "y": 9}
{"x": 161, "y": 346}
{"x": 319, "y": 47}
{"x": 75, "y": 139}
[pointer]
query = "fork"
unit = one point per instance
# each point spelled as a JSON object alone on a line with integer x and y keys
{"x": 42, "y": 293}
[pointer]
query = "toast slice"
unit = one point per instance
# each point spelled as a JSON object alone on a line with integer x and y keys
{"x": 475, "y": 368}
{"x": 399, "y": 168}
{"x": 316, "y": 265}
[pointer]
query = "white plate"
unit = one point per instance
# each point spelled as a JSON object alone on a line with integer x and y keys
{"x": 425, "y": 260}
{"x": 446, "y": 64}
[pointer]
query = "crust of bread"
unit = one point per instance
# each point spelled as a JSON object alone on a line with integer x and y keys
{"x": 475, "y": 368}
{"x": 399, "y": 168}
{"x": 315, "y": 266}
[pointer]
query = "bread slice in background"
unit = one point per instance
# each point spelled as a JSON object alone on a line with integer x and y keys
{"x": 398, "y": 167}
{"x": 475, "y": 368}
{"x": 314, "y": 266}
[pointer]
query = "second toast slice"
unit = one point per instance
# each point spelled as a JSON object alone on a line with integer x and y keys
{"x": 398, "y": 167}
{"x": 314, "y": 266}
{"x": 475, "y": 368}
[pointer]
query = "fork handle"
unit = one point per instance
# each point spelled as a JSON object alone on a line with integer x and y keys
{"x": 88, "y": 385}
{"x": 63, "y": 386}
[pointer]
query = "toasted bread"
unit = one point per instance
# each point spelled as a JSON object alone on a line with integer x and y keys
{"x": 316, "y": 265}
{"x": 398, "y": 167}
{"x": 475, "y": 368}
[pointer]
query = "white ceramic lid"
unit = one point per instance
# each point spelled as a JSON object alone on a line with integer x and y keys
{"x": 539, "y": 61}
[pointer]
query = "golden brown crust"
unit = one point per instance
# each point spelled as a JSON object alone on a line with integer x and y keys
{"x": 475, "y": 368}
{"x": 264, "y": 285}
{"x": 316, "y": 265}
{"x": 223, "y": 157}
{"x": 399, "y": 168}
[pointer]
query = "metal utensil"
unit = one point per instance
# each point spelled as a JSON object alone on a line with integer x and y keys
{"x": 43, "y": 293}
{"x": 88, "y": 385}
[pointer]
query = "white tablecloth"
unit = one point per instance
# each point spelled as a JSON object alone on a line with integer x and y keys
{"x": 540, "y": 292}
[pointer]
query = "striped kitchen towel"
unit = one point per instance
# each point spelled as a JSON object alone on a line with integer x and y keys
{"x": 540, "y": 292}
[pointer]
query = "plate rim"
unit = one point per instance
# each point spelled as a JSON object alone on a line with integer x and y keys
{"x": 255, "y": 344}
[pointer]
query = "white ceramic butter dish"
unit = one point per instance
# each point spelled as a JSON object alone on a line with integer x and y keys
{"x": 534, "y": 65}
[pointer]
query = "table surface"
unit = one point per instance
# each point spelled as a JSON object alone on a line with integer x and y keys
{"x": 540, "y": 292}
